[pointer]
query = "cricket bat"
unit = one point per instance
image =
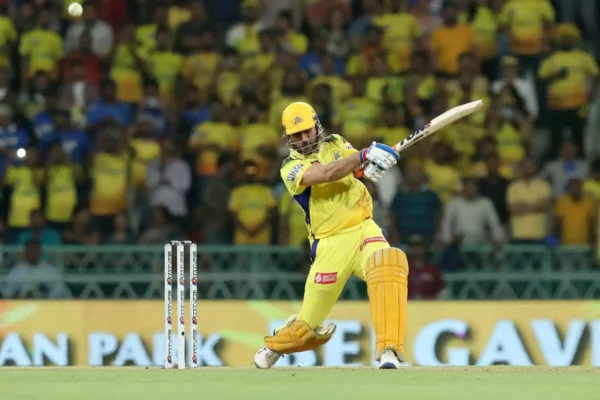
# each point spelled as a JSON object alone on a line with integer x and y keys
{"x": 439, "y": 122}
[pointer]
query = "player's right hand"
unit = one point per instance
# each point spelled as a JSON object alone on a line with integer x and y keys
{"x": 381, "y": 155}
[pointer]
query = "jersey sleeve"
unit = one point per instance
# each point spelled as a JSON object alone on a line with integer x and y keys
{"x": 292, "y": 172}
{"x": 345, "y": 146}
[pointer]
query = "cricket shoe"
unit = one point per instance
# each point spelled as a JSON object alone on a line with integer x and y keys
{"x": 265, "y": 358}
{"x": 389, "y": 360}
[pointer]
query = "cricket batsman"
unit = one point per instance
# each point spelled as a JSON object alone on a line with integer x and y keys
{"x": 319, "y": 174}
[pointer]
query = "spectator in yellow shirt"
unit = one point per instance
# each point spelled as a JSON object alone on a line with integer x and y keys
{"x": 401, "y": 31}
{"x": 359, "y": 114}
{"x": 110, "y": 174}
{"x": 444, "y": 179}
{"x": 200, "y": 66}
{"x": 61, "y": 178}
{"x": 576, "y": 212}
{"x": 287, "y": 39}
{"x": 8, "y": 38}
{"x": 252, "y": 206}
{"x": 244, "y": 36}
{"x": 146, "y": 34}
{"x": 164, "y": 64}
{"x": 340, "y": 89}
{"x": 528, "y": 200}
{"x": 127, "y": 65}
{"x": 484, "y": 23}
{"x": 209, "y": 140}
{"x": 528, "y": 24}
{"x": 256, "y": 66}
{"x": 258, "y": 141}
{"x": 229, "y": 78}
{"x": 567, "y": 73}
{"x": 41, "y": 49}
{"x": 450, "y": 40}
{"x": 25, "y": 179}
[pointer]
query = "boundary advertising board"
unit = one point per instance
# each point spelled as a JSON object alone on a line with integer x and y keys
{"x": 94, "y": 333}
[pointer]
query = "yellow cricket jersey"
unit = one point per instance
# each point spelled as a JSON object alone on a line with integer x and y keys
{"x": 254, "y": 137}
{"x": 359, "y": 115}
{"x": 256, "y": 66}
{"x": 218, "y": 134}
{"x": 485, "y": 28}
{"x": 62, "y": 192}
{"x": 228, "y": 85}
{"x": 443, "y": 180}
{"x": 571, "y": 91}
{"x": 145, "y": 35}
{"x": 400, "y": 31}
{"x": 110, "y": 178}
{"x": 201, "y": 68}
{"x": 125, "y": 73}
{"x": 25, "y": 196}
{"x": 252, "y": 204}
{"x": 525, "y": 20}
{"x": 8, "y": 35}
{"x": 44, "y": 48}
{"x": 298, "y": 42}
{"x": 165, "y": 66}
{"x": 328, "y": 207}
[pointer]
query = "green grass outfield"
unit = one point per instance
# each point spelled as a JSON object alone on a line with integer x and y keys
{"x": 412, "y": 383}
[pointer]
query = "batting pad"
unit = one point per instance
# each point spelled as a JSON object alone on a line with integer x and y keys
{"x": 387, "y": 278}
{"x": 299, "y": 337}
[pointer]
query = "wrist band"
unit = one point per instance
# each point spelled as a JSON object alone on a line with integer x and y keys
{"x": 363, "y": 155}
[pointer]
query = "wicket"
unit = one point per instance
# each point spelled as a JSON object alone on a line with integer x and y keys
{"x": 193, "y": 284}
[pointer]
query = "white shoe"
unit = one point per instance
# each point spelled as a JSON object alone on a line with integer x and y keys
{"x": 389, "y": 360}
{"x": 265, "y": 358}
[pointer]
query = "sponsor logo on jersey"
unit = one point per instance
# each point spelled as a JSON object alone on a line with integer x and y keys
{"x": 291, "y": 176}
{"x": 325, "y": 278}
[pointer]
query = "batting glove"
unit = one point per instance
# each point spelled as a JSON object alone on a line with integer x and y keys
{"x": 381, "y": 155}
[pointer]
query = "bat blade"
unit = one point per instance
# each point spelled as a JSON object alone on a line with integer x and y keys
{"x": 439, "y": 122}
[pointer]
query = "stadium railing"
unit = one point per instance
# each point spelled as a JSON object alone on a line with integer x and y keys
{"x": 276, "y": 272}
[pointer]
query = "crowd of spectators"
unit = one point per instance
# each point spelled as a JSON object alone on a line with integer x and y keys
{"x": 141, "y": 121}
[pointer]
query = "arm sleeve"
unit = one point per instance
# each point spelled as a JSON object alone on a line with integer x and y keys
{"x": 292, "y": 173}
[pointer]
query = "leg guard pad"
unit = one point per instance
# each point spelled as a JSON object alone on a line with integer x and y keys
{"x": 298, "y": 337}
{"x": 386, "y": 274}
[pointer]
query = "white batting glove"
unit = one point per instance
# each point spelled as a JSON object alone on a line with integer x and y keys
{"x": 373, "y": 172}
{"x": 381, "y": 155}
